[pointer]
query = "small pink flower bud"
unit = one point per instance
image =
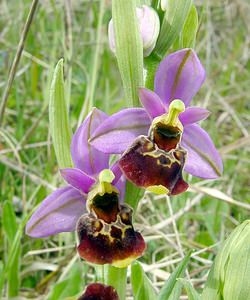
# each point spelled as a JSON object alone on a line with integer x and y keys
{"x": 149, "y": 27}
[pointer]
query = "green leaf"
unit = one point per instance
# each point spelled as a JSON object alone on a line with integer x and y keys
{"x": 69, "y": 287}
{"x": 9, "y": 221}
{"x": 190, "y": 28}
{"x": 142, "y": 286}
{"x": 133, "y": 195}
{"x": 10, "y": 227}
{"x": 173, "y": 21}
{"x": 129, "y": 50}
{"x": 229, "y": 275}
{"x": 58, "y": 118}
{"x": 191, "y": 292}
{"x": 14, "y": 249}
{"x": 172, "y": 285}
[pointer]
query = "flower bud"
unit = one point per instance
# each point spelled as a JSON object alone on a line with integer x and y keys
{"x": 149, "y": 27}
{"x": 230, "y": 272}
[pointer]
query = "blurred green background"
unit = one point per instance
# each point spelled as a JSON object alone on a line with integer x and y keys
{"x": 200, "y": 219}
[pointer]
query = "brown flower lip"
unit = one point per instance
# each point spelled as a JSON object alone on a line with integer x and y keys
{"x": 116, "y": 243}
{"x": 106, "y": 234}
{"x": 98, "y": 291}
{"x": 146, "y": 165}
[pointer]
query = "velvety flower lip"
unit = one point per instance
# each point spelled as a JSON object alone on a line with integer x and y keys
{"x": 179, "y": 76}
{"x": 99, "y": 291}
{"x": 150, "y": 167}
{"x": 60, "y": 211}
{"x": 106, "y": 234}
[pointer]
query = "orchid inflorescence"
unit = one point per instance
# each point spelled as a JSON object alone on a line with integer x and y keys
{"x": 153, "y": 145}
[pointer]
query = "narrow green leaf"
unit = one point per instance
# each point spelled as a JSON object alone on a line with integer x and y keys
{"x": 191, "y": 292}
{"x": 142, "y": 286}
{"x": 14, "y": 249}
{"x": 129, "y": 50}
{"x": 14, "y": 276}
{"x": 9, "y": 221}
{"x": 58, "y": 118}
{"x": 10, "y": 228}
{"x": 173, "y": 21}
{"x": 171, "y": 283}
{"x": 189, "y": 31}
{"x": 69, "y": 287}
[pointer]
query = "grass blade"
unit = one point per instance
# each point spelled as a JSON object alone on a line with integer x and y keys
{"x": 191, "y": 292}
{"x": 171, "y": 283}
{"x": 10, "y": 228}
{"x": 142, "y": 286}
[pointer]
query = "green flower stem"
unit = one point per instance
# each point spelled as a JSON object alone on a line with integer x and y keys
{"x": 117, "y": 278}
{"x": 150, "y": 66}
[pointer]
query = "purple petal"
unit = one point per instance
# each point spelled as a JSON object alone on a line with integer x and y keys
{"x": 117, "y": 171}
{"x": 118, "y": 131}
{"x": 78, "y": 179}
{"x": 193, "y": 115}
{"x": 151, "y": 102}
{"x": 59, "y": 212}
{"x": 179, "y": 76}
{"x": 119, "y": 181}
{"x": 85, "y": 157}
{"x": 203, "y": 159}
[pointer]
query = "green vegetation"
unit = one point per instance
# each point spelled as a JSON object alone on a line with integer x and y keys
{"x": 199, "y": 219}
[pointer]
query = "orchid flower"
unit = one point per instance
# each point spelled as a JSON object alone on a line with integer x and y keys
{"x": 90, "y": 205}
{"x": 179, "y": 76}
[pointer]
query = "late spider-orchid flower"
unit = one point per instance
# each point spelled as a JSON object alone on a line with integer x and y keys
{"x": 91, "y": 205}
{"x": 179, "y": 76}
{"x": 60, "y": 211}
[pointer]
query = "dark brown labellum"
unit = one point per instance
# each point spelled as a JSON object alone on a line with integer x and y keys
{"x": 146, "y": 165}
{"x": 98, "y": 291}
{"x": 115, "y": 242}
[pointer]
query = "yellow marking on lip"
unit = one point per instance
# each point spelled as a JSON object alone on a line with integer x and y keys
{"x": 123, "y": 263}
{"x": 158, "y": 189}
